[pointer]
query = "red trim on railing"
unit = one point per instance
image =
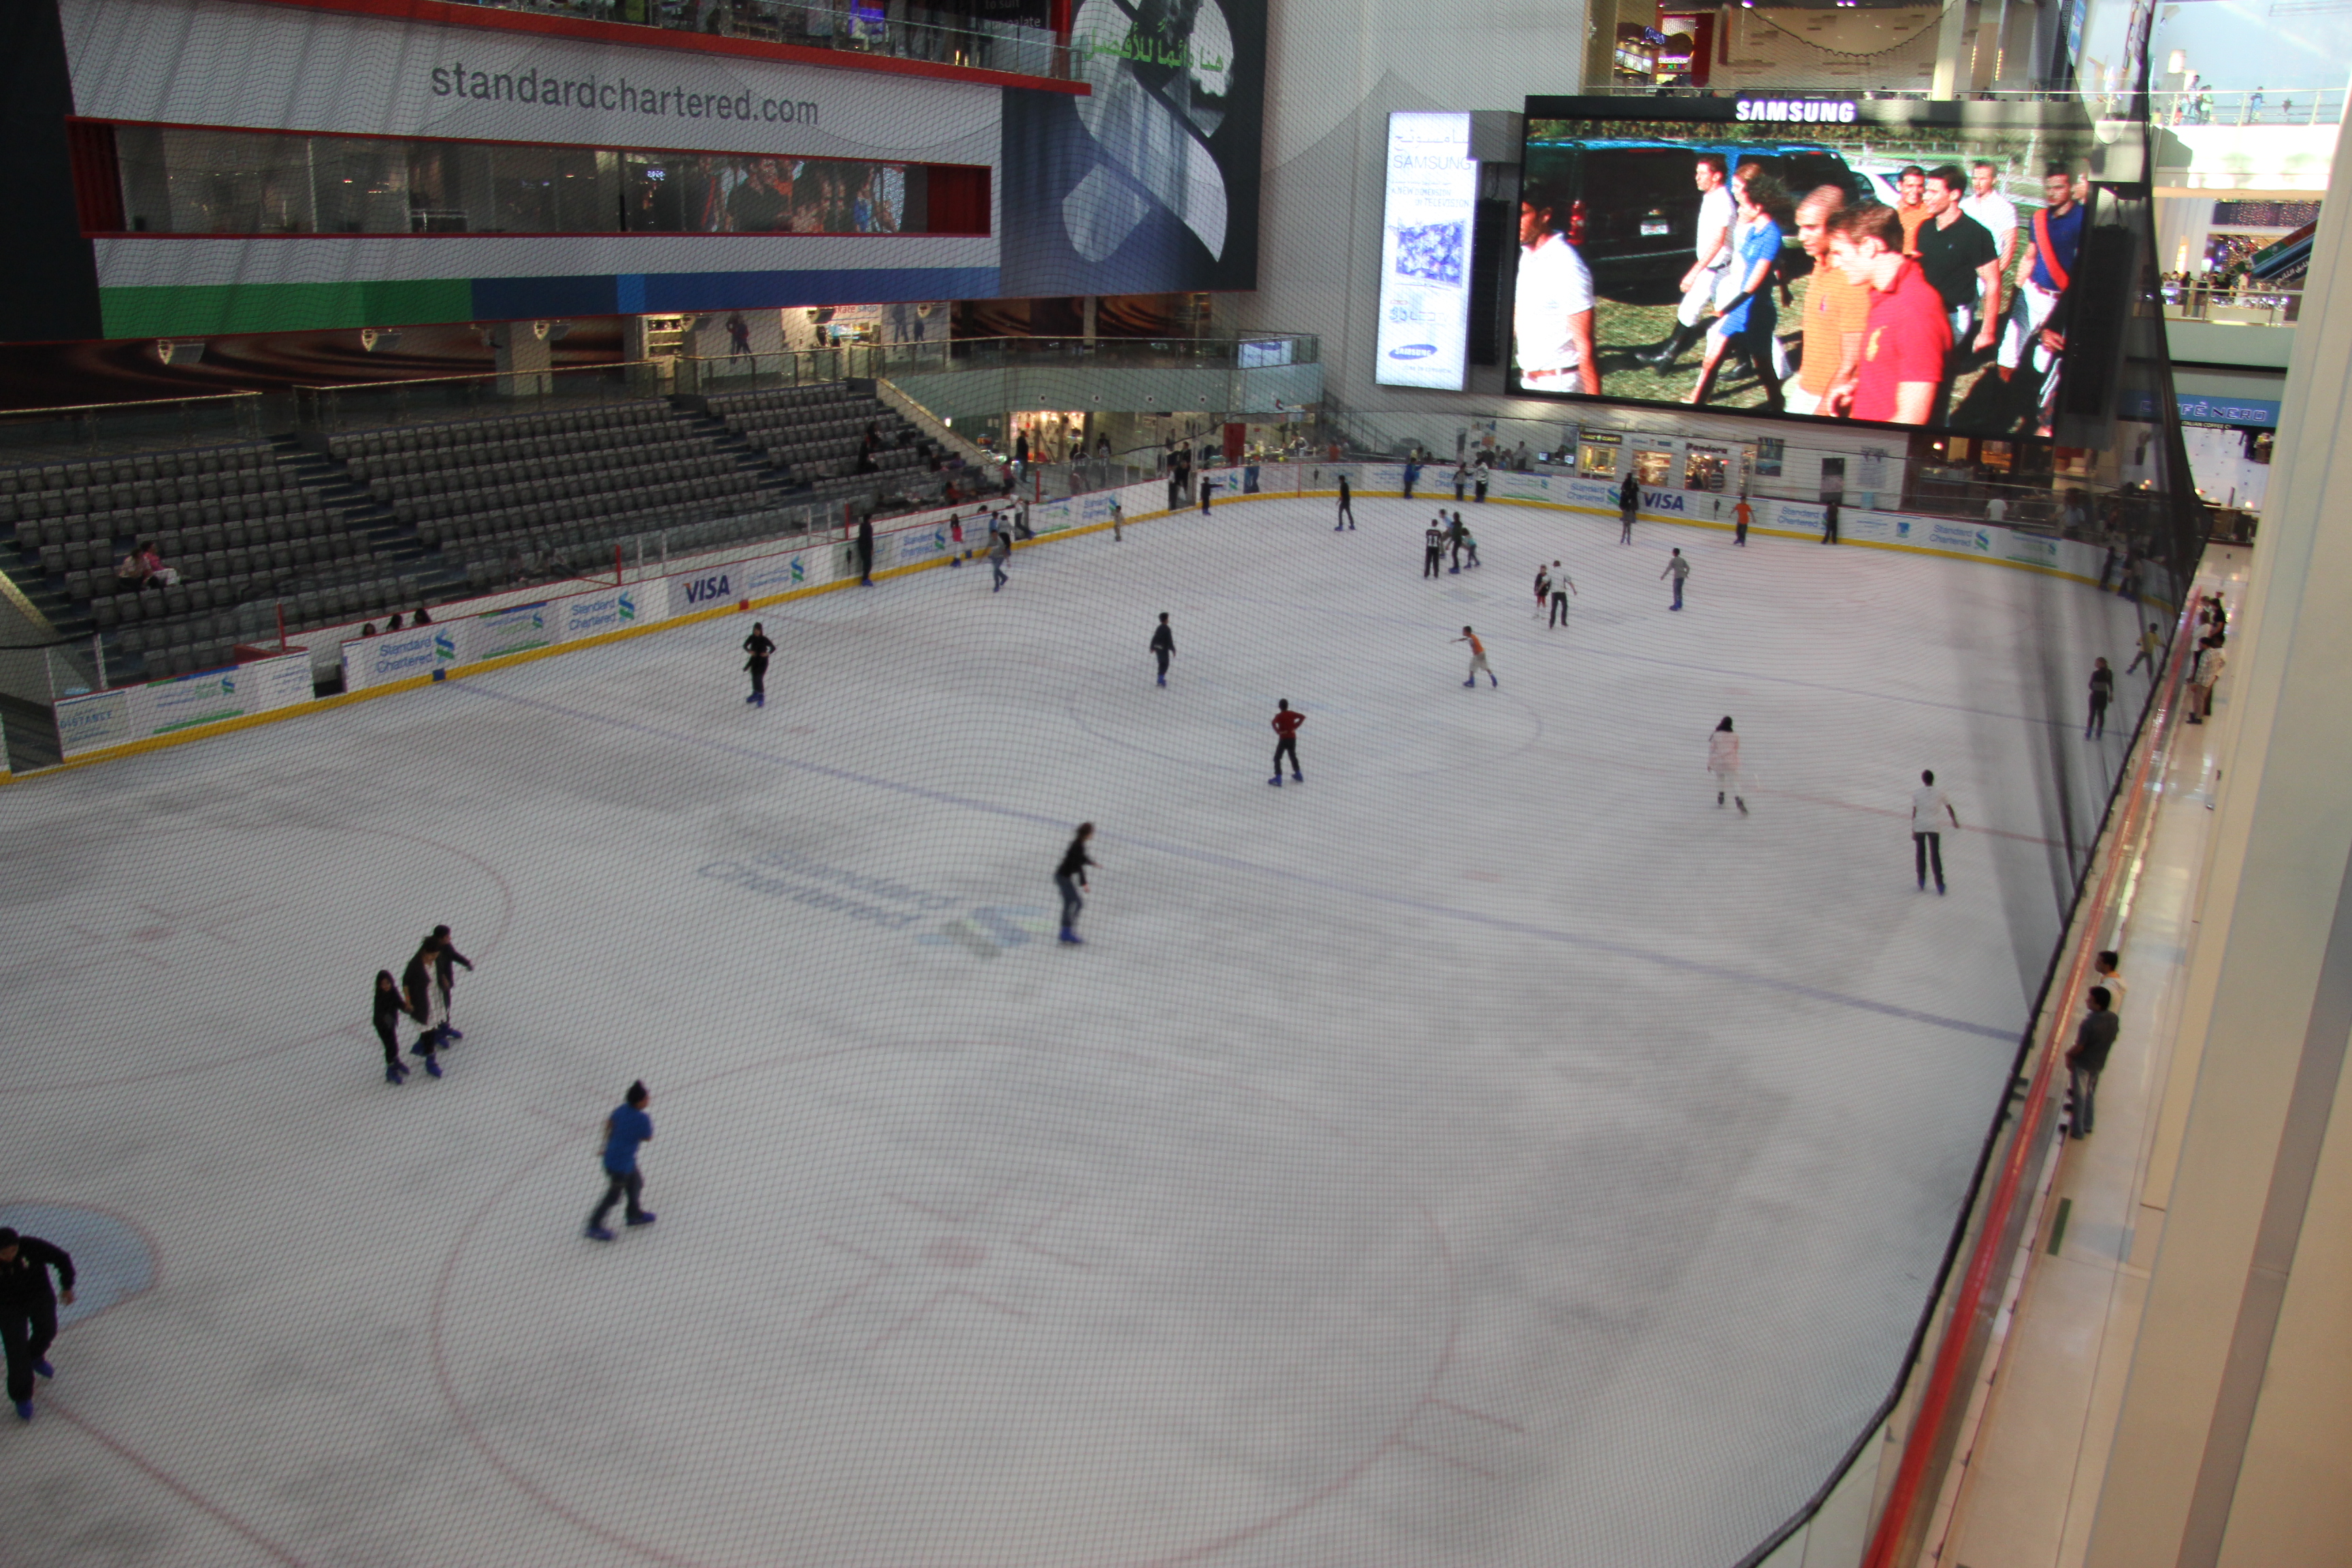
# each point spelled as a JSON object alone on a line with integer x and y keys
{"x": 439, "y": 13}
{"x": 1979, "y": 1281}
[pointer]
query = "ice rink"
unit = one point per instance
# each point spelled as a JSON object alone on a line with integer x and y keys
{"x": 1487, "y": 1152}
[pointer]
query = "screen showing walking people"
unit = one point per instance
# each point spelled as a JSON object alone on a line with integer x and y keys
{"x": 1886, "y": 263}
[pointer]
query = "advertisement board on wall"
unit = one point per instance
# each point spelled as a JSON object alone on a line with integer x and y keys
{"x": 1149, "y": 184}
{"x": 180, "y": 703}
{"x": 1429, "y": 215}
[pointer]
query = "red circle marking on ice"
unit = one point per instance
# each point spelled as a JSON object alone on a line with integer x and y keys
{"x": 1194, "y": 1552}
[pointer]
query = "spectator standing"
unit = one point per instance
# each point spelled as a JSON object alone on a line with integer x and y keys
{"x": 1829, "y": 521}
{"x": 2201, "y": 693}
{"x": 866, "y": 550}
{"x": 2094, "y": 1037}
{"x": 625, "y": 1131}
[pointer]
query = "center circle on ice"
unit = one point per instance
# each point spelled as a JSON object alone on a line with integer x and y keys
{"x": 968, "y": 1303}
{"x": 1424, "y": 723}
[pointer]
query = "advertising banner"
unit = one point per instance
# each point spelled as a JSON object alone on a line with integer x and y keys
{"x": 396, "y": 655}
{"x": 182, "y": 702}
{"x": 771, "y": 574}
{"x": 518, "y": 628}
{"x": 1149, "y": 185}
{"x": 613, "y": 610}
{"x": 1430, "y": 207}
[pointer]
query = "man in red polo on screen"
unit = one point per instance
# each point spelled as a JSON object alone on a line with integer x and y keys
{"x": 1909, "y": 333}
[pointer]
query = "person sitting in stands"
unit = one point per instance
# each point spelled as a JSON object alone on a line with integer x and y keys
{"x": 420, "y": 618}
{"x": 158, "y": 574}
{"x": 368, "y": 630}
{"x": 393, "y": 624}
{"x": 132, "y": 573}
{"x": 514, "y": 563}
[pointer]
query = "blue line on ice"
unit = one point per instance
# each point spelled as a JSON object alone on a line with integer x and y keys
{"x": 1493, "y": 923}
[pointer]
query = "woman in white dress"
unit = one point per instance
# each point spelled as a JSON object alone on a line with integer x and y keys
{"x": 1723, "y": 762}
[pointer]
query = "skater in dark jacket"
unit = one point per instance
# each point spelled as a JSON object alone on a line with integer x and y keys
{"x": 416, "y": 987}
{"x": 28, "y": 1309}
{"x": 446, "y": 959}
{"x": 1347, "y": 507}
{"x": 866, "y": 551}
{"x": 758, "y": 648}
{"x": 1163, "y": 646}
{"x": 389, "y": 1006}
{"x": 624, "y": 1131}
{"x": 1069, "y": 876}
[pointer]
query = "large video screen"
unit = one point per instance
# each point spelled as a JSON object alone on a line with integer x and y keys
{"x": 1803, "y": 258}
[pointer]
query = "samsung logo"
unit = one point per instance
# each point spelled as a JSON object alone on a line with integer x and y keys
{"x": 1413, "y": 351}
{"x": 1798, "y": 110}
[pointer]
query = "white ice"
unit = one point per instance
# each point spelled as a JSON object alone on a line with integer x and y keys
{"x": 1489, "y": 1151}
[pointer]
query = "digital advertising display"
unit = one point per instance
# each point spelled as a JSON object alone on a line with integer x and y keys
{"x": 1430, "y": 203}
{"x": 1823, "y": 258}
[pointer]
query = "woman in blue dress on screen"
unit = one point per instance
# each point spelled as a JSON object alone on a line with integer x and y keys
{"x": 1748, "y": 315}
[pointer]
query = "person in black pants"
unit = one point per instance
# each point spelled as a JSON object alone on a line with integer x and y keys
{"x": 1285, "y": 729}
{"x": 2093, "y": 1038}
{"x": 1163, "y": 646}
{"x": 1629, "y": 500}
{"x": 759, "y": 647}
{"x": 417, "y": 985}
{"x": 2102, "y": 691}
{"x": 1829, "y": 522}
{"x": 388, "y": 1009}
{"x": 1347, "y": 507}
{"x": 446, "y": 959}
{"x": 865, "y": 551}
{"x": 28, "y": 1309}
{"x": 1069, "y": 876}
{"x": 1432, "y": 551}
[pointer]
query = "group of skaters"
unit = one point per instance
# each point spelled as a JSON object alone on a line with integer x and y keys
{"x": 1442, "y": 532}
{"x": 420, "y": 1000}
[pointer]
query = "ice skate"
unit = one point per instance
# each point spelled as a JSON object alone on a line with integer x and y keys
{"x": 23, "y": 1410}
{"x": 645, "y": 1216}
{"x": 1275, "y": 781}
{"x": 395, "y": 1075}
{"x": 598, "y": 1233}
{"x": 1072, "y": 938}
{"x": 1719, "y": 800}
{"x": 433, "y": 1067}
{"x": 1740, "y": 804}
{"x": 43, "y": 1369}
{"x": 1296, "y": 778}
{"x": 451, "y": 1032}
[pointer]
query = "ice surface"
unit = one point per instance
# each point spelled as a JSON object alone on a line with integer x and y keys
{"x": 1489, "y": 1152}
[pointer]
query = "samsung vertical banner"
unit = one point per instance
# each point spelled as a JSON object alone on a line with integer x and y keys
{"x": 1432, "y": 196}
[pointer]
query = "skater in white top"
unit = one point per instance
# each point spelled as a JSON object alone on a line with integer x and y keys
{"x": 1928, "y": 805}
{"x": 1723, "y": 762}
{"x": 1562, "y": 585}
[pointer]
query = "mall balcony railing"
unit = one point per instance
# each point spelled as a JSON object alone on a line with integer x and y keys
{"x": 2197, "y": 299}
{"x": 126, "y": 429}
{"x": 1013, "y": 47}
{"x": 715, "y": 375}
{"x": 423, "y": 400}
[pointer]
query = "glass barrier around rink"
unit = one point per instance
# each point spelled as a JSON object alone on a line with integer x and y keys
{"x": 37, "y": 436}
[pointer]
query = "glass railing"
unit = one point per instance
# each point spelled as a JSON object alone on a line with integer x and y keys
{"x": 2190, "y": 299}
{"x": 716, "y": 376}
{"x": 423, "y": 400}
{"x": 125, "y": 429}
{"x": 1014, "y": 47}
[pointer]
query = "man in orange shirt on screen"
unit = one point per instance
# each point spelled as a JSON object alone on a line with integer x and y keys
{"x": 1909, "y": 333}
{"x": 1836, "y": 309}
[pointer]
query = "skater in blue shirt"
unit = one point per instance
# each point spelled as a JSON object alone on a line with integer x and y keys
{"x": 624, "y": 1130}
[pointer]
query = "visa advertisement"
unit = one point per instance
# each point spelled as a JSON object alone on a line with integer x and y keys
{"x": 1431, "y": 200}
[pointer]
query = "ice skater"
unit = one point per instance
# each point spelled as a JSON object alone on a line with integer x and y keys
{"x": 416, "y": 986}
{"x": 955, "y": 544}
{"x": 1741, "y": 516}
{"x": 1478, "y": 664}
{"x": 1723, "y": 762}
{"x": 1208, "y": 488}
{"x": 1830, "y": 521}
{"x": 1929, "y": 805}
{"x": 1069, "y": 876}
{"x": 1000, "y": 549}
{"x": 2151, "y": 643}
{"x": 624, "y": 1130}
{"x": 390, "y": 1006}
{"x": 1163, "y": 646}
{"x": 1484, "y": 476}
{"x": 1461, "y": 479}
{"x": 1453, "y": 533}
{"x": 1412, "y": 472}
{"x": 1629, "y": 499}
{"x": 756, "y": 649}
{"x": 1679, "y": 570}
{"x": 1286, "y": 729}
{"x": 28, "y": 1311}
{"x": 1346, "y": 518}
{"x": 1562, "y": 585}
{"x": 1432, "y": 550}
{"x": 1469, "y": 540}
{"x": 1543, "y": 587}
{"x": 445, "y": 960}
{"x": 865, "y": 551}
{"x": 1118, "y": 520}
{"x": 2102, "y": 691}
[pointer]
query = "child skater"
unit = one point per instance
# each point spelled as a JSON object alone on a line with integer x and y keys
{"x": 1723, "y": 762}
{"x": 1477, "y": 659}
